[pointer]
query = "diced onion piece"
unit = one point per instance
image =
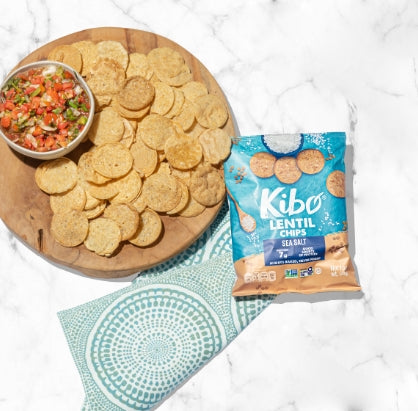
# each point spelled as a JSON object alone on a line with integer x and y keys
{"x": 49, "y": 70}
{"x": 78, "y": 90}
{"x": 32, "y": 140}
{"x": 45, "y": 127}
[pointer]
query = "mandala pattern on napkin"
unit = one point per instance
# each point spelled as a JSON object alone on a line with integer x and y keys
{"x": 157, "y": 334}
{"x": 137, "y": 345}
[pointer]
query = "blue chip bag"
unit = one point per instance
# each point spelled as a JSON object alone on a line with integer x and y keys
{"x": 286, "y": 196}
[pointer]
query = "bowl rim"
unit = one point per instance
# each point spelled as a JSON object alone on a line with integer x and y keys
{"x": 73, "y": 144}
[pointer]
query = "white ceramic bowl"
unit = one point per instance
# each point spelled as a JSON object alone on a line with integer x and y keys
{"x": 60, "y": 152}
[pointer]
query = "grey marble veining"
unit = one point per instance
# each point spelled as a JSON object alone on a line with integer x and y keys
{"x": 284, "y": 66}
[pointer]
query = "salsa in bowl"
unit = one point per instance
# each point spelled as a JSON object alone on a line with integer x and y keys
{"x": 46, "y": 109}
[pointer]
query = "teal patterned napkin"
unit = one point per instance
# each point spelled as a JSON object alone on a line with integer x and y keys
{"x": 135, "y": 346}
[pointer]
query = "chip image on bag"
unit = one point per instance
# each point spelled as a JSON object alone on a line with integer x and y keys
{"x": 287, "y": 203}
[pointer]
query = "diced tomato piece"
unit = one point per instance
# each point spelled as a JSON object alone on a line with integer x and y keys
{"x": 41, "y": 141}
{"x": 23, "y": 76}
{"x": 25, "y": 108}
{"x": 64, "y": 132}
{"x": 9, "y": 105}
{"x": 10, "y": 94}
{"x": 48, "y": 84}
{"x": 15, "y": 128}
{"x": 49, "y": 141}
{"x": 6, "y": 121}
{"x": 36, "y": 101}
{"x": 68, "y": 85}
{"x": 30, "y": 89}
{"x": 38, "y": 80}
{"x": 62, "y": 125}
{"x": 50, "y": 118}
{"x": 62, "y": 137}
{"x": 37, "y": 132}
{"x": 67, "y": 74}
{"x": 52, "y": 93}
{"x": 58, "y": 86}
{"x": 27, "y": 143}
{"x": 14, "y": 114}
{"x": 39, "y": 111}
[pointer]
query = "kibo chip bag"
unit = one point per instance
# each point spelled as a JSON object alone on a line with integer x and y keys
{"x": 287, "y": 204}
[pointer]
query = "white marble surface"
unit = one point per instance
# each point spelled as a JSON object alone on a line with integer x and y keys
{"x": 284, "y": 66}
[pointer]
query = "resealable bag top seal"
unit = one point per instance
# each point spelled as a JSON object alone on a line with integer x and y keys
{"x": 287, "y": 204}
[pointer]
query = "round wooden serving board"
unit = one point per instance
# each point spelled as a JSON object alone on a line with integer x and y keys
{"x": 25, "y": 209}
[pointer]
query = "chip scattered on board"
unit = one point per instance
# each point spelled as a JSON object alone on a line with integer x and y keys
{"x": 126, "y": 217}
{"x": 74, "y": 199}
{"x": 150, "y": 229}
{"x": 103, "y": 236}
{"x": 185, "y": 195}
{"x": 89, "y": 54}
{"x": 165, "y": 61}
{"x": 216, "y": 145}
{"x": 183, "y": 152}
{"x": 164, "y": 98}
{"x": 69, "y": 227}
{"x": 162, "y": 192}
{"x": 114, "y": 50}
{"x": 56, "y": 176}
{"x": 129, "y": 187}
{"x": 112, "y": 160}
{"x": 67, "y": 54}
{"x": 210, "y": 111}
{"x": 87, "y": 171}
{"x": 145, "y": 159}
{"x": 107, "y": 127}
{"x": 138, "y": 66}
{"x": 194, "y": 89}
{"x": 186, "y": 117}
{"x": 207, "y": 185}
{"x": 129, "y": 114}
{"x": 154, "y": 130}
{"x": 136, "y": 93}
{"x": 192, "y": 208}
{"x": 95, "y": 211}
{"x": 106, "y": 77}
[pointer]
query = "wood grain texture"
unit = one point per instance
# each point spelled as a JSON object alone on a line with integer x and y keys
{"x": 25, "y": 209}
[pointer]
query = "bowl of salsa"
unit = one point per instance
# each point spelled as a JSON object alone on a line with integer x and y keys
{"x": 46, "y": 109}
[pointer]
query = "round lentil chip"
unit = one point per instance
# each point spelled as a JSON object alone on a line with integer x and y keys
{"x": 112, "y": 160}
{"x": 103, "y": 237}
{"x": 70, "y": 227}
{"x": 56, "y": 176}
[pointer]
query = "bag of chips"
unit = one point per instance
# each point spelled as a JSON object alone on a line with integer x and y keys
{"x": 286, "y": 196}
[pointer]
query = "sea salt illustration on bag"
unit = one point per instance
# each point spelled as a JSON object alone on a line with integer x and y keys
{"x": 287, "y": 204}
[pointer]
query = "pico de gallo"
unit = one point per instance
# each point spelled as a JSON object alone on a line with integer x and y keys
{"x": 44, "y": 108}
